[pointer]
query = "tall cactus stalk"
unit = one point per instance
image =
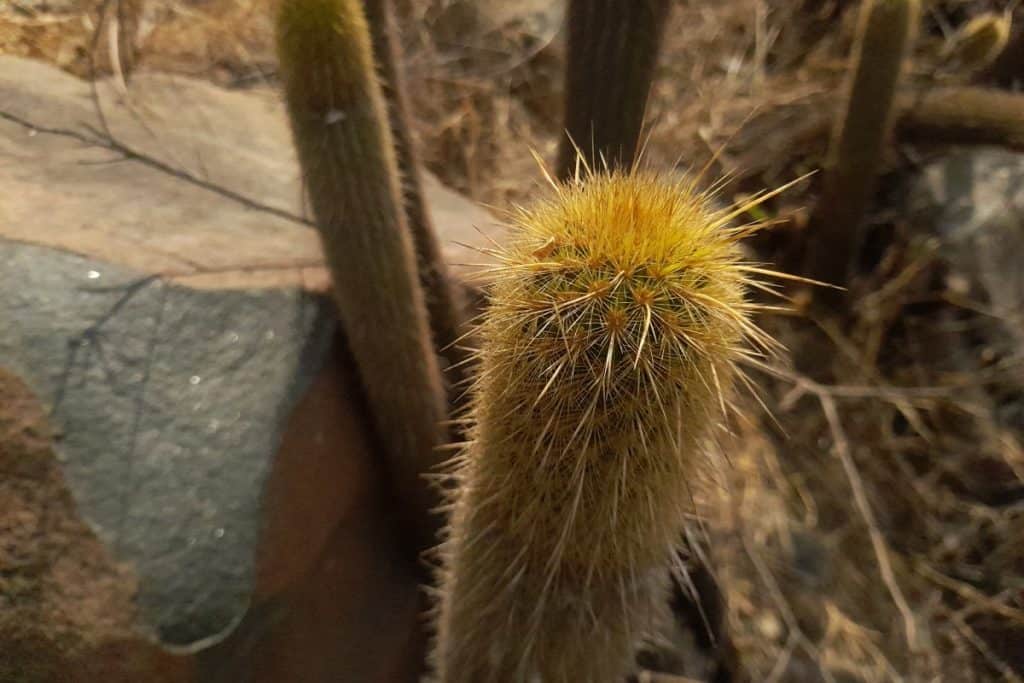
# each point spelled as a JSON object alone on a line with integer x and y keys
{"x": 607, "y": 355}
{"x": 884, "y": 35}
{"x": 613, "y": 51}
{"x": 340, "y": 127}
{"x": 446, "y": 304}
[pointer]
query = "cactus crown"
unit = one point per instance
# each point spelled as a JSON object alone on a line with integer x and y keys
{"x": 627, "y": 278}
{"x": 616, "y": 318}
{"x": 617, "y": 315}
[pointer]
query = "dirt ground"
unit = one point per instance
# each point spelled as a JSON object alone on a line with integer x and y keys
{"x": 874, "y": 529}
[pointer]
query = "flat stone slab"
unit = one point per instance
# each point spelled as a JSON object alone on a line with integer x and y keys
{"x": 162, "y": 292}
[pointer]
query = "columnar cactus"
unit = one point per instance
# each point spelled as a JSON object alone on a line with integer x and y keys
{"x": 615, "y": 322}
{"x": 612, "y": 56}
{"x": 445, "y": 299}
{"x": 885, "y": 32}
{"x": 340, "y": 127}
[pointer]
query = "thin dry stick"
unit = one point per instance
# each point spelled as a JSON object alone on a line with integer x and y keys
{"x": 983, "y": 648}
{"x": 796, "y": 634}
{"x": 971, "y": 595}
{"x": 114, "y": 51}
{"x": 655, "y": 677}
{"x": 842, "y": 449}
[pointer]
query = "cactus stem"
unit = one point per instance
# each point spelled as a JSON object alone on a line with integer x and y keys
{"x": 884, "y": 34}
{"x": 963, "y": 115}
{"x": 613, "y": 51}
{"x": 445, "y": 299}
{"x": 608, "y": 353}
{"x": 341, "y": 132}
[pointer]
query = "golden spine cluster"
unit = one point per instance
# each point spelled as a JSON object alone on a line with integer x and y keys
{"x": 616, "y": 318}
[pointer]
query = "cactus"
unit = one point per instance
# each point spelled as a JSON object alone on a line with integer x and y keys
{"x": 1007, "y": 70}
{"x": 979, "y": 42}
{"x": 613, "y": 50}
{"x": 963, "y": 116}
{"x": 607, "y": 354}
{"x": 884, "y": 34}
{"x": 445, "y": 301}
{"x": 340, "y": 129}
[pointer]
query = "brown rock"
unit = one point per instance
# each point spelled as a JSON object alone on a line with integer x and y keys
{"x": 209, "y": 194}
{"x": 337, "y": 595}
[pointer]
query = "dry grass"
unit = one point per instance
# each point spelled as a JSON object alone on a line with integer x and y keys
{"x": 872, "y": 529}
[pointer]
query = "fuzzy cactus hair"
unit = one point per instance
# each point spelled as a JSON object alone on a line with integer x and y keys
{"x": 346, "y": 149}
{"x": 617, "y": 317}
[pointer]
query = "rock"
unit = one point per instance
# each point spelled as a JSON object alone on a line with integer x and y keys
{"x": 222, "y": 206}
{"x": 974, "y": 200}
{"x": 169, "y": 402}
{"x": 170, "y": 313}
{"x": 335, "y": 598}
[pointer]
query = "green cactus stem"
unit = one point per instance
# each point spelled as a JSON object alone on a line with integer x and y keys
{"x": 963, "y": 116}
{"x": 607, "y": 355}
{"x": 445, "y": 298}
{"x": 340, "y": 128}
{"x": 884, "y": 34}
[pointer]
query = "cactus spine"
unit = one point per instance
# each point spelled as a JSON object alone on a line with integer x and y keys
{"x": 340, "y": 129}
{"x": 607, "y": 353}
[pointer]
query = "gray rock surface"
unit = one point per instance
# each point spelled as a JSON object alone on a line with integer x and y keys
{"x": 161, "y": 291}
{"x": 169, "y": 401}
{"x": 974, "y": 200}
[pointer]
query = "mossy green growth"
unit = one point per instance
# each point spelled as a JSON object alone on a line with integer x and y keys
{"x": 617, "y": 316}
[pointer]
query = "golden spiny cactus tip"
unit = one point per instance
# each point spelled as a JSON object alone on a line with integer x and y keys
{"x": 977, "y": 44}
{"x": 616, "y": 320}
